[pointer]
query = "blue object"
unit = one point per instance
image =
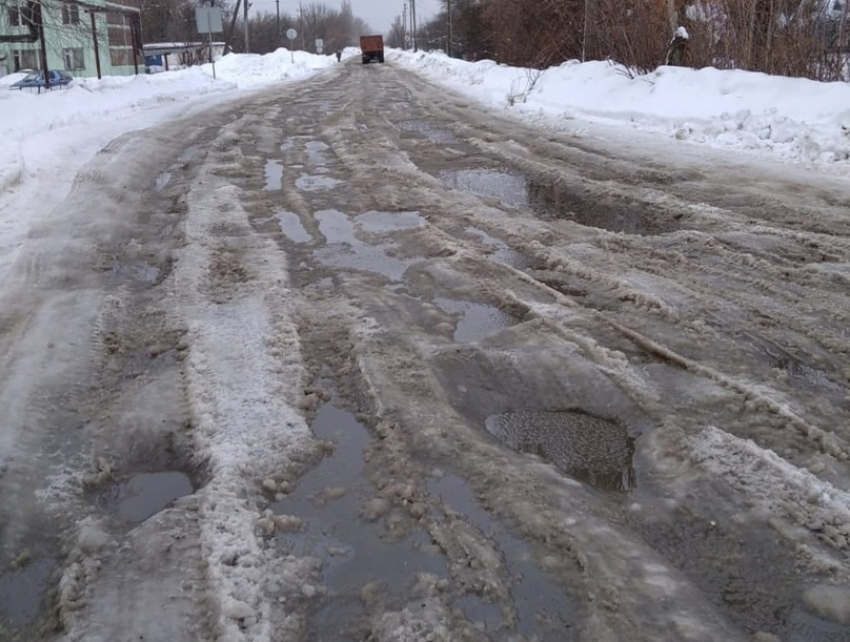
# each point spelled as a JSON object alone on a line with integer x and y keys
{"x": 36, "y": 80}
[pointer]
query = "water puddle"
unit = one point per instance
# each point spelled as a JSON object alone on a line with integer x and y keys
{"x": 504, "y": 253}
{"x": 22, "y": 592}
{"x": 511, "y": 190}
{"x": 315, "y": 183}
{"x": 384, "y": 222}
{"x": 544, "y": 610}
{"x": 292, "y": 228}
{"x": 274, "y": 176}
{"x": 805, "y": 376}
{"x": 801, "y": 375}
{"x": 144, "y": 495}
{"x": 345, "y": 250}
{"x": 316, "y": 153}
{"x": 138, "y": 363}
{"x": 188, "y": 154}
{"x": 477, "y": 322}
{"x": 325, "y": 283}
{"x": 614, "y": 213}
{"x": 324, "y": 106}
{"x": 329, "y": 500}
{"x": 162, "y": 181}
{"x": 593, "y": 450}
{"x": 137, "y": 271}
{"x": 427, "y": 130}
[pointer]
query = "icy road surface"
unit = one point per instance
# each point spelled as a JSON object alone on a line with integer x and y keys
{"x": 357, "y": 359}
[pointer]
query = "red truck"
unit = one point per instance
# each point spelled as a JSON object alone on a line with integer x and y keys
{"x": 372, "y": 48}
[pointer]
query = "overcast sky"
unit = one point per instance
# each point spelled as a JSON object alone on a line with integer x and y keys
{"x": 379, "y": 14}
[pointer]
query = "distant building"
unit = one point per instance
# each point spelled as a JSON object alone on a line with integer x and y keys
{"x": 80, "y": 37}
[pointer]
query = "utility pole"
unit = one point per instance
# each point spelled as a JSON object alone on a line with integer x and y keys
{"x": 228, "y": 39}
{"x": 404, "y": 27}
{"x": 413, "y": 23}
{"x": 44, "y": 67}
{"x": 584, "y": 34}
{"x": 277, "y": 42}
{"x": 96, "y": 46}
{"x": 303, "y": 42}
{"x": 449, "y": 38}
{"x": 247, "y": 35}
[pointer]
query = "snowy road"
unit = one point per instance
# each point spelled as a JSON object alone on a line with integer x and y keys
{"x": 357, "y": 359}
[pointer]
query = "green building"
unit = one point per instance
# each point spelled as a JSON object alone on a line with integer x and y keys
{"x": 86, "y": 38}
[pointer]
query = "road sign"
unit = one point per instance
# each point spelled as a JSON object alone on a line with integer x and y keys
{"x": 208, "y": 19}
{"x": 292, "y": 35}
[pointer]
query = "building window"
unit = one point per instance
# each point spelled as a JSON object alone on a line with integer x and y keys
{"x": 15, "y": 19}
{"x": 70, "y": 14}
{"x": 73, "y": 58}
{"x": 25, "y": 59}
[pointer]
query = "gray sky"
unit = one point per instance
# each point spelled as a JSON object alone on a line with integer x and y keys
{"x": 379, "y": 14}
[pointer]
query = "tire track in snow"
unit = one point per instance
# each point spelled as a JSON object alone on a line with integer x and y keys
{"x": 242, "y": 372}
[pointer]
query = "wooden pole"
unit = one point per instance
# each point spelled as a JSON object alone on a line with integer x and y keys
{"x": 96, "y": 46}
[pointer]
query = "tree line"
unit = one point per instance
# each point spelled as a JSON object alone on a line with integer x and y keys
{"x": 804, "y": 38}
{"x": 174, "y": 21}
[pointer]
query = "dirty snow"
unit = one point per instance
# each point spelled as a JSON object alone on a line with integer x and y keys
{"x": 791, "y": 119}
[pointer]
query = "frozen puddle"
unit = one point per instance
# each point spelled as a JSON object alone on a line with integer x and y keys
{"x": 22, "y": 592}
{"x": 543, "y": 609}
{"x": 588, "y": 448}
{"x": 345, "y": 250}
{"x": 274, "y": 176}
{"x": 292, "y": 228}
{"x": 329, "y": 500}
{"x": 315, "y": 183}
{"x": 503, "y": 253}
{"x": 144, "y": 495}
{"x": 511, "y": 190}
{"x": 477, "y": 321}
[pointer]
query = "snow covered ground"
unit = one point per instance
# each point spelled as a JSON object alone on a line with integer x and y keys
{"x": 792, "y": 118}
{"x": 39, "y": 130}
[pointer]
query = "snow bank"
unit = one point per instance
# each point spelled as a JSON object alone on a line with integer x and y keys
{"x": 34, "y": 126}
{"x": 792, "y": 118}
